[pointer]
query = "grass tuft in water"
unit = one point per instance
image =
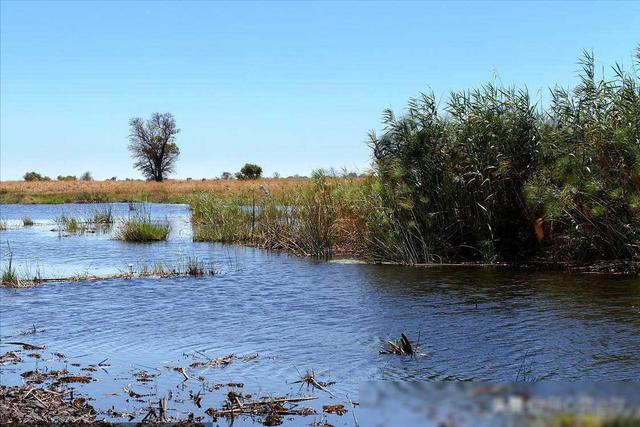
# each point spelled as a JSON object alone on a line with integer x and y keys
{"x": 140, "y": 228}
{"x": 194, "y": 267}
{"x": 102, "y": 216}
{"x": 10, "y": 276}
{"x": 70, "y": 225}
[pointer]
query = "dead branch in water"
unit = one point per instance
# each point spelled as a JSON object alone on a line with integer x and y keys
{"x": 310, "y": 380}
{"x": 271, "y": 409}
{"x": 402, "y": 347}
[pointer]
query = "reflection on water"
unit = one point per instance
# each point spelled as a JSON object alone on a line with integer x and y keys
{"x": 298, "y": 314}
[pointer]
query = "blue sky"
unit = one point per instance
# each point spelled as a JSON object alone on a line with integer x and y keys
{"x": 290, "y": 85}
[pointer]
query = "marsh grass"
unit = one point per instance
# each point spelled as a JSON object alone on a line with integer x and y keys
{"x": 195, "y": 267}
{"x": 3, "y": 225}
{"x": 102, "y": 216}
{"x": 12, "y": 278}
{"x": 323, "y": 217}
{"x": 191, "y": 266}
{"x": 484, "y": 176}
{"x": 9, "y": 274}
{"x": 140, "y": 228}
{"x": 71, "y": 225}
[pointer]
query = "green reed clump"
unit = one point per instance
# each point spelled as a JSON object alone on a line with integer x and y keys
{"x": 10, "y": 276}
{"x": 587, "y": 195}
{"x": 221, "y": 219}
{"x": 195, "y": 267}
{"x": 27, "y": 222}
{"x": 70, "y": 224}
{"x": 318, "y": 218}
{"x": 157, "y": 269}
{"x": 490, "y": 177}
{"x": 140, "y": 228}
{"x": 102, "y": 216}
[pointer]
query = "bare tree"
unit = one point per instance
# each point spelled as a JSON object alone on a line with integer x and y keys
{"x": 152, "y": 145}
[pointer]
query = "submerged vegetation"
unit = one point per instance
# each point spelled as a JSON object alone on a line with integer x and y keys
{"x": 100, "y": 219}
{"x": 140, "y": 228}
{"x": 70, "y": 225}
{"x": 491, "y": 177}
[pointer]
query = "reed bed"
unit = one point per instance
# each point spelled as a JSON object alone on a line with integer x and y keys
{"x": 322, "y": 217}
{"x": 484, "y": 176}
{"x": 493, "y": 177}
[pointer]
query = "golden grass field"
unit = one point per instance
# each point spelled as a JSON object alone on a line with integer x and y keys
{"x": 171, "y": 191}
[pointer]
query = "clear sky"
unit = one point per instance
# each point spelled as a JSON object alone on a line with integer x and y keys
{"x": 289, "y": 85}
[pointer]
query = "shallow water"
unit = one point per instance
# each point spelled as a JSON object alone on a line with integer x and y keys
{"x": 486, "y": 324}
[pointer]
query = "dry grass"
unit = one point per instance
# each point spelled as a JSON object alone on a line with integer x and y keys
{"x": 132, "y": 191}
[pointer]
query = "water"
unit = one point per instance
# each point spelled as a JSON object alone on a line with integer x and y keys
{"x": 299, "y": 314}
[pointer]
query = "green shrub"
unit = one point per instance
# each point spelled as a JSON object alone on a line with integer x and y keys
{"x": 249, "y": 171}
{"x": 34, "y": 176}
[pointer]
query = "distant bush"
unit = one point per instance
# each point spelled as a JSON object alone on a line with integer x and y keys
{"x": 249, "y": 171}
{"x": 226, "y": 175}
{"x": 86, "y": 176}
{"x": 67, "y": 178}
{"x": 35, "y": 176}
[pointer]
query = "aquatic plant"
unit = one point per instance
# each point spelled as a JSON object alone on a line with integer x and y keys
{"x": 3, "y": 225}
{"x": 316, "y": 218}
{"x": 14, "y": 279}
{"x": 157, "y": 269}
{"x": 70, "y": 224}
{"x": 491, "y": 177}
{"x": 102, "y": 216}
{"x": 9, "y": 274}
{"x": 140, "y": 228}
{"x": 194, "y": 267}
